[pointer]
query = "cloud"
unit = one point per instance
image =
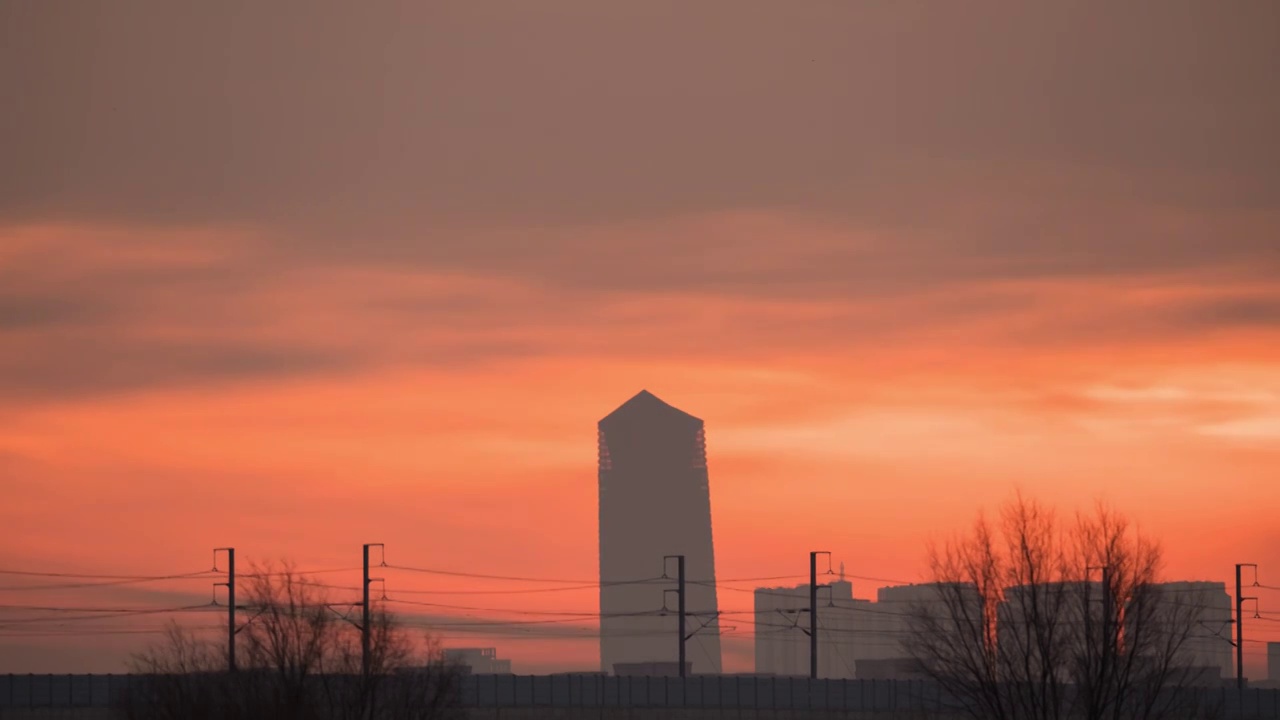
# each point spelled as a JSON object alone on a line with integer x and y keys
{"x": 1263, "y": 429}
{"x": 92, "y": 366}
{"x": 88, "y": 310}
{"x": 1233, "y": 312}
{"x": 18, "y": 311}
{"x": 938, "y": 141}
{"x": 205, "y": 195}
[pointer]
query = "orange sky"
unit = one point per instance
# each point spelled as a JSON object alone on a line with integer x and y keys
{"x": 817, "y": 440}
{"x": 386, "y": 298}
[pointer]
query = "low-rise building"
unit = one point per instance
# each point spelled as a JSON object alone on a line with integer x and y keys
{"x": 1204, "y": 609}
{"x": 478, "y": 661}
{"x": 852, "y": 633}
{"x": 782, "y": 630}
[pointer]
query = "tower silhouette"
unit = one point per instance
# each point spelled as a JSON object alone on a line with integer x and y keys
{"x": 654, "y": 501}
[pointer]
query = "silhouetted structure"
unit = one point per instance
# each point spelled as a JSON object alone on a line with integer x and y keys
{"x": 654, "y": 501}
{"x": 480, "y": 661}
{"x": 1205, "y": 646}
{"x": 781, "y": 645}
{"x": 856, "y": 638}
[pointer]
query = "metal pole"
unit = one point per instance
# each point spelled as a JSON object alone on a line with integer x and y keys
{"x": 680, "y": 585}
{"x": 1240, "y": 598}
{"x": 1239, "y": 632}
{"x": 231, "y": 602}
{"x": 813, "y": 615}
{"x": 231, "y": 609}
{"x": 364, "y": 627}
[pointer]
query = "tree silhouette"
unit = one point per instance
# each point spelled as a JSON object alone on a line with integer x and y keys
{"x": 1038, "y": 619}
{"x": 299, "y": 658}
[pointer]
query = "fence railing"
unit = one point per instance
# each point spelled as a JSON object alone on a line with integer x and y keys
{"x": 709, "y": 691}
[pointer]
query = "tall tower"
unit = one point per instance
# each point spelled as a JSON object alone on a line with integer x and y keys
{"x": 655, "y": 501}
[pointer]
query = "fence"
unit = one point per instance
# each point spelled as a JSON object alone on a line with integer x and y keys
{"x": 704, "y": 691}
{"x": 709, "y": 691}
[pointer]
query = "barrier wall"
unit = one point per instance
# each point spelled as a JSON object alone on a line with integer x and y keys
{"x": 571, "y": 691}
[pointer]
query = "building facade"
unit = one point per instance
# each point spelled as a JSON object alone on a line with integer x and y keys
{"x": 857, "y": 639}
{"x": 1195, "y": 615}
{"x": 1204, "y": 608}
{"x": 782, "y": 624}
{"x": 884, "y": 632}
{"x": 655, "y": 501}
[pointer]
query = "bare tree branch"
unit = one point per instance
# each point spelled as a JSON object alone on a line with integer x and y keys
{"x": 298, "y": 660}
{"x": 1036, "y": 619}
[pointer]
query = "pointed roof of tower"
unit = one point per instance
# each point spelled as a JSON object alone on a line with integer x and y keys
{"x": 645, "y": 404}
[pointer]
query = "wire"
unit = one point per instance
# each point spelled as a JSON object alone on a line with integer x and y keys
{"x": 81, "y": 633}
{"x": 513, "y": 578}
{"x": 509, "y": 610}
{"x": 759, "y": 579}
{"x": 50, "y": 608}
{"x": 105, "y": 580}
{"x": 524, "y": 591}
{"x": 455, "y": 573}
{"x": 584, "y": 583}
{"x": 171, "y": 576}
{"x": 352, "y": 588}
{"x": 97, "y": 613}
{"x": 298, "y": 573}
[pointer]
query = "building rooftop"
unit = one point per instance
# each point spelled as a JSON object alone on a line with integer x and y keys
{"x": 644, "y": 406}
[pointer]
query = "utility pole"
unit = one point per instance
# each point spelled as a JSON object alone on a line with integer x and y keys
{"x": 1240, "y": 625}
{"x": 231, "y": 603}
{"x": 680, "y": 594}
{"x": 364, "y": 605}
{"x": 680, "y": 588}
{"x": 813, "y": 612}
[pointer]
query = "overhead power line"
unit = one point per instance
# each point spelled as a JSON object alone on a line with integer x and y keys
{"x": 170, "y": 576}
{"x": 94, "y": 580}
{"x": 579, "y": 581}
{"x": 298, "y": 573}
{"x": 59, "y": 608}
{"x": 513, "y": 611}
{"x": 56, "y": 613}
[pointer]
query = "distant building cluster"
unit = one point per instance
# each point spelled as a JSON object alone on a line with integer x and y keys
{"x": 865, "y": 640}
{"x": 654, "y": 501}
{"x": 856, "y": 638}
{"x": 478, "y": 661}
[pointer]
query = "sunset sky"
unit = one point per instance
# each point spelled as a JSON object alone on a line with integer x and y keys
{"x": 298, "y": 276}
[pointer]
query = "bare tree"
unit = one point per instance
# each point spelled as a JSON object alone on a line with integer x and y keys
{"x": 299, "y": 658}
{"x": 182, "y": 677}
{"x": 1039, "y": 619}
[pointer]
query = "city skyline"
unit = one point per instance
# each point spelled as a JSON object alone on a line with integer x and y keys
{"x": 295, "y": 281}
{"x": 853, "y": 629}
